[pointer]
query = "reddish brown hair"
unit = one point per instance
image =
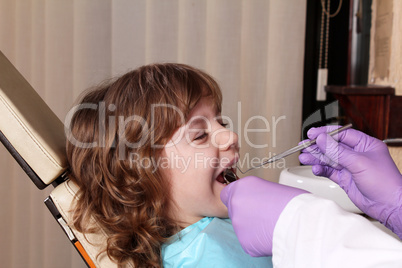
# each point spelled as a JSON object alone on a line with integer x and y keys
{"x": 128, "y": 200}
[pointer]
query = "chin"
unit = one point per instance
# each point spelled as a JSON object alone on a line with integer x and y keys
{"x": 225, "y": 215}
{"x": 223, "y": 212}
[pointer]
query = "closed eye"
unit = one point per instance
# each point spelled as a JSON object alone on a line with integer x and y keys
{"x": 202, "y": 136}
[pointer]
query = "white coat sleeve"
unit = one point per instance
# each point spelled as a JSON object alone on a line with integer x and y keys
{"x": 316, "y": 232}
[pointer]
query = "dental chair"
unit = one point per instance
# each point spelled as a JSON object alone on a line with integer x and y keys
{"x": 34, "y": 136}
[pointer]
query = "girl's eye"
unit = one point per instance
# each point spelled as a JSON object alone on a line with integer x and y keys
{"x": 224, "y": 124}
{"x": 202, "y": 136}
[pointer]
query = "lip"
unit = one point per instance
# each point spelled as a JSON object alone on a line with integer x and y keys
{"x": 230, "y": 165}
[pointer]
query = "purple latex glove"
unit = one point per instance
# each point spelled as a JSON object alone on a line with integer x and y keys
{"x": 363, "y": 167}
{"x": 254, "y": 207}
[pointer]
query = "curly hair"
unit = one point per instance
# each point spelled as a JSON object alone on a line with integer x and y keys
{"x": 136, "y": 114}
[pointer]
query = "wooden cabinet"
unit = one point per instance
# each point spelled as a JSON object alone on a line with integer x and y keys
{"x": 372, "y": 109}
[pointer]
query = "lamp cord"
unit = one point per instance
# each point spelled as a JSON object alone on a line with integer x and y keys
{"x": 326, "y": 11}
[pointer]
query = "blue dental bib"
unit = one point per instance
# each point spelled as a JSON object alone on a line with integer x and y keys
{"x": 210, "y": 242}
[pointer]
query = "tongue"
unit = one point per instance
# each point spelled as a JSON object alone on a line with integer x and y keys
{"x": 220, "y": 179}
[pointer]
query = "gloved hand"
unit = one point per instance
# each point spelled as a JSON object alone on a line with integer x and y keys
{"x": 363, "y": 167}
{"x": 254, "y": 207}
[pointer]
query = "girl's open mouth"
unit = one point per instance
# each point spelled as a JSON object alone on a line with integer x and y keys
{"x": 227, "y": 176}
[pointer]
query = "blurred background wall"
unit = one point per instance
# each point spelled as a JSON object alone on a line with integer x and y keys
{"x": 254, "y": 49}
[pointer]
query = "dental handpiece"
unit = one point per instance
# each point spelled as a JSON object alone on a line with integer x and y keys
{"x": 230, "y": 176}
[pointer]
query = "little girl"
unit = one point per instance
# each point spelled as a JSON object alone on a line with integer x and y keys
{"x": 148, "y": 151}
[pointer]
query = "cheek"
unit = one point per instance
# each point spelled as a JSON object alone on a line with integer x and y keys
{"x": 207, "y": 158}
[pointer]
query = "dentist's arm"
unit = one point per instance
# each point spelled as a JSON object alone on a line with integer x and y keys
{"x": 302, "y": 230}
{"x": 363, "y": 167}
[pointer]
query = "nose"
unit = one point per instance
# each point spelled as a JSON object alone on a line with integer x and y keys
{"x": 225, "y": 139}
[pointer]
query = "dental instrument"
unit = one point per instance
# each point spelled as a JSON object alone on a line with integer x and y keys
{"x": 230, "y": 176}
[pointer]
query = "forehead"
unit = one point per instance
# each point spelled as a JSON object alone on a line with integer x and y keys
{"x": 204, "y": 112}
{"x": 206, "y": 107}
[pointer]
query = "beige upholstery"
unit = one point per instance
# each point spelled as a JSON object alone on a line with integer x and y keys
{"x": 35, "y": 137}
{"x": 63, "y": 197}
{"x": 31, "y": 127}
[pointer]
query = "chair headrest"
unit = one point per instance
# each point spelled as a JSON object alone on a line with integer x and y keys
{"x": 30, "y": 130}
